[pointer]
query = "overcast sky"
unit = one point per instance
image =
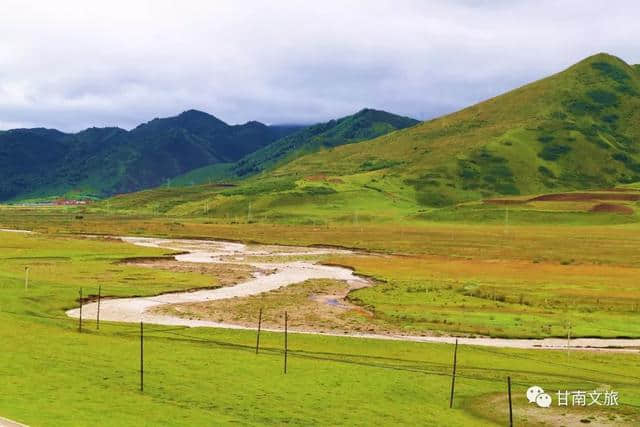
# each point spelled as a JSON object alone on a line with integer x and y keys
{"x": 75, "y": 64}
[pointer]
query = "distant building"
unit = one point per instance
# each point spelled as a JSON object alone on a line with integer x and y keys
{"x": 65, "y": 202}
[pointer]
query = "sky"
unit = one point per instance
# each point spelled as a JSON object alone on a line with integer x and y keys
{"x": 74, "y": 64}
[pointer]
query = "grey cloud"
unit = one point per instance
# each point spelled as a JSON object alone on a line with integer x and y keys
{"x": 74, "y": 64}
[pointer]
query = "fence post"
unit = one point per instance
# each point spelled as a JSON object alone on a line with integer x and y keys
{"x": 80, "y": 317}
{"x": 286, "y": 343}
{"x": 453, "y": 376}
{"x": 510, "y": 406}
{"x": 141, "y": 357}
{"x": 259, "y": 327}
{"x": 98, "y": 311}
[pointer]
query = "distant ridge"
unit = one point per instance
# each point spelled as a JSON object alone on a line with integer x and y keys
{"x": 363, "y": 125}
{"x": 102, "y": 161}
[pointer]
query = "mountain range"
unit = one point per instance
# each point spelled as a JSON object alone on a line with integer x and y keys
{"x": 104, "y": 161}
{"x": 98, "y": 162}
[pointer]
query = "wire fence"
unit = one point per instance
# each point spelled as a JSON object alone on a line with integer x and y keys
{"x": 177, "y": 334}
{"x": 571, "y": 373}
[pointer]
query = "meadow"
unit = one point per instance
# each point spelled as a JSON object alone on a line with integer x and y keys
{"x": 52, "y": 374}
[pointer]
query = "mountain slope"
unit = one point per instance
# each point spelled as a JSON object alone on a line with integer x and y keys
{"x": 365, "y": 124}
{"x": 577, "y": 129}
{"x": 102, "y": 161}
{"x": 574, "y": 130}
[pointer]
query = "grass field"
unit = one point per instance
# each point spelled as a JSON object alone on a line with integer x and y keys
{"x": 53, "y": 375}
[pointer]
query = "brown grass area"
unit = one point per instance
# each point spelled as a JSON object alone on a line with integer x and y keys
{"x": 543, "y": 278}
{"x": 223, "y": 274}
{"x": 593, "y": 244}
{"x": 316, "y": 305}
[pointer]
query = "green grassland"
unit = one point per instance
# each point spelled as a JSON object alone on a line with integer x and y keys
{"x": 52, "y": 374}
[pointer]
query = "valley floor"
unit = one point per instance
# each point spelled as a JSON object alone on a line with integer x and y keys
{"x": 533, "y": 281}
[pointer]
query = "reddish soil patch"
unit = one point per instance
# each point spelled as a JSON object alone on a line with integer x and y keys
{"x": 335, "y": 181}
{"x": 581, "y": 197}
{"x": 611, "y": 208}
{"x": 319, "y": 177}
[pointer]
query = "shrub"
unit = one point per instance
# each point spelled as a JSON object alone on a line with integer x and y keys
{"x": 319, "y": 190}
{"x": 553, "y": 151}
{"x": 433, "y": 198}
{"x": 612, "y": 71}
{"x": 603, "y": 97}
{"x": 546, "y": 172}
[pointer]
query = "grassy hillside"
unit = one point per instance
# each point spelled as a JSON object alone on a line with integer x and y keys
{"x": 578, "y": 129}
{"x": 103, "y": 161}
{"x": 366, "y": 124}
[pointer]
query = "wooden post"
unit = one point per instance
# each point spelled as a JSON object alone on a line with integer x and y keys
{"x": 510, "y": 406}
{"x": 26, "y": 278}
{"x": 98, "y": 310}
{"x": 259, "y": 327}
{"x": 80, "y": 317}
{"x": 141, "y": 357}
{"x": 286, "y": 343}
{"x": 453, "y": 376}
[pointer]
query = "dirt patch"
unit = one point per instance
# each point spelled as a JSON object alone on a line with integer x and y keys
{"x": 324, "y": 178}
{"x": 225, "y": 274}
{"x": 612, "y": 208}
{"x": 494, "y": 407}
{"x": 318, "y": 177}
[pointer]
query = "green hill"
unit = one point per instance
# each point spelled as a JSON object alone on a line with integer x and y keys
{"x": 578, "y": 129}
{"x": 365, "y": 124}
{"x": 103, "y": 161}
